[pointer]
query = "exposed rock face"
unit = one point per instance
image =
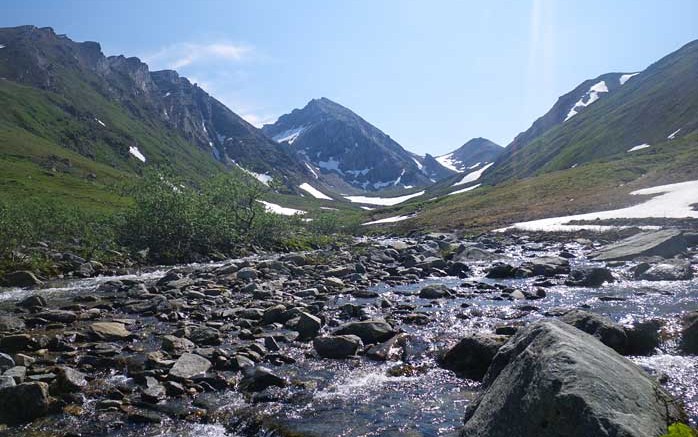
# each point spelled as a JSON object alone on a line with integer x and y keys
{"x": 472, "y": 355}
{"x": 552, "y": 379}
{"x": 23, "y": 402}
{"x": 665, "y": 243}
{"x": 338, "y": 143}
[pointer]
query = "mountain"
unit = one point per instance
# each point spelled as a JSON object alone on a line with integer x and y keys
{"x": 69, "y": 101}
{"x": 432, "y": 168}
{"x": 618, "y": 114}
{"x": 345, "y": 149}
{"x": 472, "y": 155}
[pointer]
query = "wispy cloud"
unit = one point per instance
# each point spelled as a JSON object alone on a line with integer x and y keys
{"x": 185, "y": 54}
{"x": 258, "y": 120}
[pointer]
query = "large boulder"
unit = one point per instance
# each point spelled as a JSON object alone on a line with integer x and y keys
{"x": 553, "y": 380}
{"x": 21, "y": 278}
{"x": 548, "y": 266}
{"x": 435, "y": 291}
{"x": 471, "y": 356}
{"x": 24, "y": 402}
{"x": 337, "y": 346}
{"x": 689, "y": 334}
{"x": 308, "y": 326}
{"x": 589, "y": 277}
{"x": 665, "y": 243}
{"x": 369, "y": 331}
{"x": 608, "y": 332}
{"x": 669, "y": 270}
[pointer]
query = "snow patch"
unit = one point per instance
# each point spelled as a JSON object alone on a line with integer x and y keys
{"x": 395, "y": 219}
{"x": 312, "y": 170}
{"x": 278, "y": 209}
{"x": 399, "y": 178}
{"x": 673, "y": 134}
{"x": 263, "y": 178}
{"x": 314, "y": 191}
{"x": 476, "y": 165}
{"x": 100, "y": 122}
{"x": 465, "y": 190}
{"x": 640, "y": 147}
{"x": 2, "y": 46}
{"x": 167, "y": 94}
{"x": 382, "y": 201}
{"x": 590, "y": 96}
{"x": 419, "y": 164}
{"x": 448, "y": 162}
{"x": 673, "y": 201}
{"x": 626, "y": 77}
{"x": 289, "y": 135}
{"x": 473, "y": 176}
{"x": 133, "y": 150}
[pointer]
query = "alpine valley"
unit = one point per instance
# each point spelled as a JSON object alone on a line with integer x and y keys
{"x": 169, "y": 269}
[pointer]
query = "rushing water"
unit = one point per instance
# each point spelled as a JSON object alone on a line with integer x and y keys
{"x": 360, "y": 397}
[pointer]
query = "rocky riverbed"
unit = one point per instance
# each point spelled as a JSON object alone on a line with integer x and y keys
{"x": 386, "y": 337}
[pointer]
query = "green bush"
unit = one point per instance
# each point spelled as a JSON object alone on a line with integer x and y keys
{"x": 680, "y": 430}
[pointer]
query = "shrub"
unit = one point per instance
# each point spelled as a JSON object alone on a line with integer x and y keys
{"x": 680, "y": 430}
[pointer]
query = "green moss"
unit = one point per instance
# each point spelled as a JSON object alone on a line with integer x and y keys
{"x": 680, "y": 430}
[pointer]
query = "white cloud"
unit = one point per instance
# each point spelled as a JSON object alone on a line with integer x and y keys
{"x": 258, "y": 120}
{"x": 184, "y": 54}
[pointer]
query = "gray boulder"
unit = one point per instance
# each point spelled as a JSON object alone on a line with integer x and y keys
{"x": 189, "y": 366}
{"x": 308, "y": 326}
{"x": 608, "y": 332}
{"x": 21, "y": 278}
{"x": 369, "y": 331}
{"x": 665, "y": 243}
{"x": 669, "y": 270}
{"x": 259, "y": 378}
{"x": 589, "y": 277}
{"x": 553, "y": 380}
{"x": 337, "y": 346}
{"x": 24, "y": 402}
{"x": 435, "y": 291}
{"x": 548, "y": 266}
{"x": 689, "y": 334}
{"x": 472, "y": 355}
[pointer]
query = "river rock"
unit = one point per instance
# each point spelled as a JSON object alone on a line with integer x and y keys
{"x": 247, "y": 273}
{"x": 21, "y": 278}
{"x": 609, "y": 333}
{"x": 553, "y": 380}
{"x": 60, "y": 316}
{"x": 177, "y": 345}
{"x": 24, "y": 402}
{"x": 548, "y": 266}
{"x": 6, "y": 362}
{"x": 34, "y": 301}
{"x": 669, "y": 270}
{"x": 369, "y": 331}
{"x": 589, "y": 277}
{"x": 69, "y": 380}
{"x": 337, "y": 346}
{"x": 308, "y": 326}
{"x": 472, "y": 355}
{"x": 110, "y": 330}
{"x": 666, "y": 243}
{"x": 689, "y": 334}
{"x": 189, "y": 365}
{"x": 643, "y": 337}
{"x": 435, "y": 291}
{"x": 10, "y": 323}
{"x": 259, "y": 378}
{"x": 17, "y": 343}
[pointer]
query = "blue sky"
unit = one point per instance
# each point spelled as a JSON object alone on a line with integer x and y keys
{"x": 431, "y": 74}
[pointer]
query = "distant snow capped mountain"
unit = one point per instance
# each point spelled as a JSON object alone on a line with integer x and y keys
{"x": 346, "y": 151}
{"x": 473, "y": 155}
